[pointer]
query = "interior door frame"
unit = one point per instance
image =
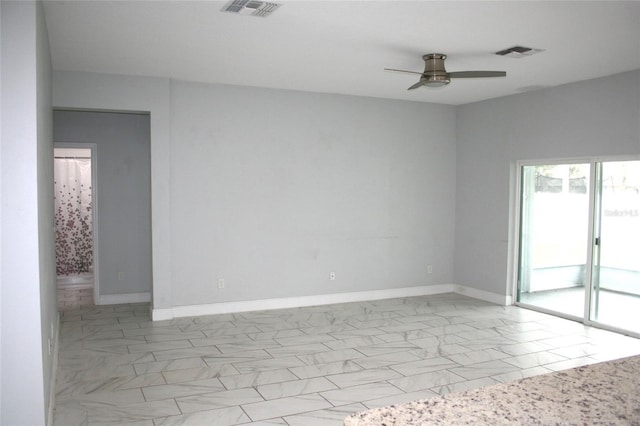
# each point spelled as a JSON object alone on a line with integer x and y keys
{"x": 93, "y": 147}
{"x": 592, "y": 233}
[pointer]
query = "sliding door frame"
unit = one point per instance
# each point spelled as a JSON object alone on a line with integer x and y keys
{"x": 595, "y": 167}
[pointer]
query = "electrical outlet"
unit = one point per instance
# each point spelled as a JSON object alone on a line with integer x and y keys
{"x": 50, "y": 346}
{"x": 429, "y": 269}
{"x": 120, "y": 276}
{"x": 332, "y": 276}
{"x": 220, "y": 282}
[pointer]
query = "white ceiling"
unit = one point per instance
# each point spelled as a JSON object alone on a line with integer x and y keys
{"x": 343, "y": 46}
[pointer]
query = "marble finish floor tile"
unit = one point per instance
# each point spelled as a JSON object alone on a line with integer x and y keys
{"x": 285, "y": 406}
{"x": 360, "y": 393}
{"x": 188, "y": 352}
{"x": 203, "y": 402}
{"x": 310, "y": 348}
{"x": 328, "y": 417}
{"x": 201, "y": 373}
{"x": 317, "y": 370}
{"x": 462, "y": 386}
{"x": 296, "y": 387}
{"x": 122, "y": 414}
{"x": 346, "y": 380}
{"x": 304, "y": 366}
{"x": 155, "y": 393}
{"x": 535, "y": 360}
{"x": 330, "y": 356}
{"x": 386, "y": 360}
{"x": 257, "y": 379}
{"x": 424, "y": 366}
{"x": 268, "y": 364}
{"x": 520, "y": 374}
{"x": 220, "y": 417}
{"x": 484, "y": 369}
{"x": 212, "y": 358}
{"x": 169, "y": 365}
{"x": 426, "y": 381}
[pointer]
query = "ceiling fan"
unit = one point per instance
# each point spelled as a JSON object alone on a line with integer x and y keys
{"x": 435, "y": 75}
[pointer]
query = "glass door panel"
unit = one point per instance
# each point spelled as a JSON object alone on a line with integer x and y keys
{"x": 554, "y": 224}
{"x": 616, "y": 267}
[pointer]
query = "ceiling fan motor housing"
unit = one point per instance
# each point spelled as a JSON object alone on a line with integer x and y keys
{"x": 435, "y": 74}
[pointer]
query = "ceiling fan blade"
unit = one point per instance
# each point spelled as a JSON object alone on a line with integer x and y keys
{"x": 476, "y": 74}
{"x": 418, "y": 84}
{"x": 405, "y": 71}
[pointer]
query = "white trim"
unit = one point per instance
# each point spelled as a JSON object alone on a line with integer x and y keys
{"x": 576, "y": 160}
{"x": 323, "y": 299}
{"x": 595, "y": 207}
{"x": 487, "y": 296}
{"x": 513, "y": 248}
{"x": 117, "y": 299}
{"x": 54, "y": 374}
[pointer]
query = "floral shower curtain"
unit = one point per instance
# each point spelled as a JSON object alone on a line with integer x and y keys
{"x": 74, "y": 228}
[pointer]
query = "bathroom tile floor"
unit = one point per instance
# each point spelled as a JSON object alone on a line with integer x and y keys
{"x": 304, "y": 366}
{"x": 72, "y": 297}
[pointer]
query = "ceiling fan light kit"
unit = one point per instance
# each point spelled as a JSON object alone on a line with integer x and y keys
{"x": 437, "y": 81}
{"x": 435, "y": 74}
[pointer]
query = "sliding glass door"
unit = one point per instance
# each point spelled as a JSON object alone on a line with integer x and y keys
{"x": 553, "y": 240}
{"x": 578, "y": 243}
{"x": 615, "y": 299}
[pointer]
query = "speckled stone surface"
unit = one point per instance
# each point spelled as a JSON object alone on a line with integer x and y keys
{"x": 607, "y": 393}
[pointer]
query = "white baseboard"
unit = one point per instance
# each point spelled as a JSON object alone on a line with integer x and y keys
{"x": 498, "y": 299}
{"x": 324, "y": 299}
{"x": 117, "y": 299}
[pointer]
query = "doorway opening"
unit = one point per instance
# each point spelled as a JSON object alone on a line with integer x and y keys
{"x": 75, "y": 216}
{"x": 579, "y": 224}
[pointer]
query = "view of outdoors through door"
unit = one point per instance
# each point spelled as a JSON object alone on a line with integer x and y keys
{"x": 555, "y": 272}
{"x": 616, "y": 271}
{"x": 553, "y": 246}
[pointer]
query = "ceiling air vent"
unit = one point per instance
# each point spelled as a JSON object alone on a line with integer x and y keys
{"x": 251, "y": 7}
{"x": 518, "y": 52}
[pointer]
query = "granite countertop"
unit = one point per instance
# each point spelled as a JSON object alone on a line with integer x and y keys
{"x": 604, "y": 393}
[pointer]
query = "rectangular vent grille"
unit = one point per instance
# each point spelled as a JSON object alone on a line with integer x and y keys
{"x": 518, "y": 52}
{"x": 251, "y": 7}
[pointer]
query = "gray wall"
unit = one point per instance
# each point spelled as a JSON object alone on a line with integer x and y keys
{"x": 123, "y": 193}
{"x": 273, "y": 190}
{"x": 599, "y": 117}
{"x": 28, "y": 304}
